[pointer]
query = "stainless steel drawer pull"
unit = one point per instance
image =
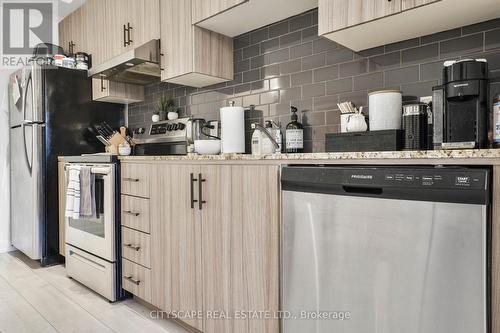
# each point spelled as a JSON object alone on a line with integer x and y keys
{"x": 137, "y": 248}
{"x": 135, "y": 180}
{"x": 131, "y": 213}
{"x": 129, "y": 278}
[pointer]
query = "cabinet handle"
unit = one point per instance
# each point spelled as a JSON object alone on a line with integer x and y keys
{"x": 200, "y": 189}
{"x": 136, "y": 282}
{"x": 71, "y": 46}
{"x": 131, "y": 213}
{"x": 102, "y": 84}
{"x": 130, "y": 41}
{"x": 124, "y": 35}
{"x": 134, "y": 180}
{"x": 137, "y": 248}
{"x": 192, "y": 190}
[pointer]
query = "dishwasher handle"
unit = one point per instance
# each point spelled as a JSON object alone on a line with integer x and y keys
{"x": 363, "y": 190}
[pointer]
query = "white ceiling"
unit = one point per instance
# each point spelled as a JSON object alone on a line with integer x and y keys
{"x": 66, "y": 7}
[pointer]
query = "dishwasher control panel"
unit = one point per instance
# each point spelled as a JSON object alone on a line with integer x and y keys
{"x": 445, "y": 184}
{"x": 439, "y": 177}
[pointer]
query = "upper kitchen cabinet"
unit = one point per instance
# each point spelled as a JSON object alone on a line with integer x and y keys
{"x": 191, "y": 55}
{"x": 71, "y": 34}
{"x": 129, "y": 24}
{"x": 363, "y": 24}
{"x": 234, "y": 17}
{"x": 410, "y": 4}
{"x": 340, "y": 14}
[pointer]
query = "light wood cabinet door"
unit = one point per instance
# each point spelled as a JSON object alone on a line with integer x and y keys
{"x": 191, "y": 55}
{"x": 144, "y": 19}
{"x": 410, "y": 4}
{"x": 71, "y": 34}
{"x": 176, "y": 265}
{"x": 95, "y": 18}
{"x": 335, "y": 15}
{"x": 255, "y": 245}
{"x": 115, "y": 34}
{"x": 203, "y": 9}
{"x": 116, "y": 92}
{"x": 216, "y": 224}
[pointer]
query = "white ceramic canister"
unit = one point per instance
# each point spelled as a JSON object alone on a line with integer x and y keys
{"x": 385, "y": 109}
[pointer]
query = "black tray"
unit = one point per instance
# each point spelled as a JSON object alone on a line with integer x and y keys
{"x": 388, "y": 140}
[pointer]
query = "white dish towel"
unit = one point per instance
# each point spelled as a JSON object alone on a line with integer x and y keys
{"x": 73, "y": 193}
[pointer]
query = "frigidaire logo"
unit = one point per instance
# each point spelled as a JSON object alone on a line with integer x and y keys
{"x": 461, "y": 85}
{"x": 361, "y": 176}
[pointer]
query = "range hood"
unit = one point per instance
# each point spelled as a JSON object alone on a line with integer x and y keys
{"x": 140, "y": 65}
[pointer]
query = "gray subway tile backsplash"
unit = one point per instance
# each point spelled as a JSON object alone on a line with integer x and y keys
{"x": 287, "y": 63}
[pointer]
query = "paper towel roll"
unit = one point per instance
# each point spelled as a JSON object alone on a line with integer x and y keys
{"x": 232, "y": 129}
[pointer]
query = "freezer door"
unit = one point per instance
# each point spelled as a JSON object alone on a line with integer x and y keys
{"x": 394, "y": 266}
{"x": 27, "y": 195}
{"x": 17, "y": 90}
{"x": 26, "y": 96}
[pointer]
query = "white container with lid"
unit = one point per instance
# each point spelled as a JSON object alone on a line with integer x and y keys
{"x": 385, "y": 109}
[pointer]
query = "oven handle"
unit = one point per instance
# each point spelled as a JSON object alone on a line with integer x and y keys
{"x": 94, "y": 170}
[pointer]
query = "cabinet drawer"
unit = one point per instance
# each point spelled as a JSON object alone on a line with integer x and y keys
{"x": 136, "y": 247}
{"x": 135, "y": 179}
{"x": 136, "y": 279}
{"x": 135, "y": 213}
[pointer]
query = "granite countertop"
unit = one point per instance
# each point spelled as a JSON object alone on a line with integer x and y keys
{"x": 386, "y": 155}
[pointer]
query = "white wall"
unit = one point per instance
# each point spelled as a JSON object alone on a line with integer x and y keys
{"x": 4, "y": 164}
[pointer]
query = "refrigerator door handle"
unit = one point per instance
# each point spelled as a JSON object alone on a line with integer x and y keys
{"x": 26, "y": 157}
{"x": 25, "y": 97}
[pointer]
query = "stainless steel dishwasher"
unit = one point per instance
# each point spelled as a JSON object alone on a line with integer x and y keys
{"x": 385, "y": 250}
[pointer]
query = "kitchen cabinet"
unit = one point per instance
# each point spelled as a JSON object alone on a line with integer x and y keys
{"x": 190, "y": 55}
{"x": 71, "y": 34}
{"x": 130, "y": 23}
{"x": 204, "y": 9}
{"x": 214, "y": 243}
{"x": 410, "y": 4}
{"x": 235, "y": 17}
{"x": 116, "y": 92}
{"x": 360, "y": 24}
{"x": 339, "y": 14}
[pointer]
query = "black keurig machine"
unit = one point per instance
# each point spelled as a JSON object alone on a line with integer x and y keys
{"x": 461, "y": 106}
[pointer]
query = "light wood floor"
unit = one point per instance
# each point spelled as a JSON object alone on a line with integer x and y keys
{"x": 35, "y": 299}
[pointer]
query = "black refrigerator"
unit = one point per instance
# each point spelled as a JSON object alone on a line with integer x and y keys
{"x": 50, "y": 110}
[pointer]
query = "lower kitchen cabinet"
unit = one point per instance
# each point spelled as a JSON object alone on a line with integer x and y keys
{"x": 215, "y": 244}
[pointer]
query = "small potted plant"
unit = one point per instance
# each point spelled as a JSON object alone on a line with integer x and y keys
{"x": 161, "y": 109}
{"x": 172, "y": 111}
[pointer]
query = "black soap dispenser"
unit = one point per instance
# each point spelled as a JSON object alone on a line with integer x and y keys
{"x": 294, "y": 134}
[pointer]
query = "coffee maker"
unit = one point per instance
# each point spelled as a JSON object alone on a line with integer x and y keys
{"x": 461, "y": 105}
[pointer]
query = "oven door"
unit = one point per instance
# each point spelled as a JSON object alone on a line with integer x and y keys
{"x": 96, "y": 235}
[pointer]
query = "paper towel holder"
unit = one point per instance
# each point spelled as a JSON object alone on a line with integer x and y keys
{"x": 232, "y": 103}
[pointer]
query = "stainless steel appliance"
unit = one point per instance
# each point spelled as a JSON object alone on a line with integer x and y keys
{"x": 92, "y": 249}
{"x": 140, "y": 65}
{"x": 465, "y": 104}
{"x": 168, "y": 137}
{"x": 50, "y": 109}
{"x": 384, "y": 249}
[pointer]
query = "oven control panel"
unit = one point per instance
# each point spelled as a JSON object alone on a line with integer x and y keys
{"x": 163, "y": 132}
